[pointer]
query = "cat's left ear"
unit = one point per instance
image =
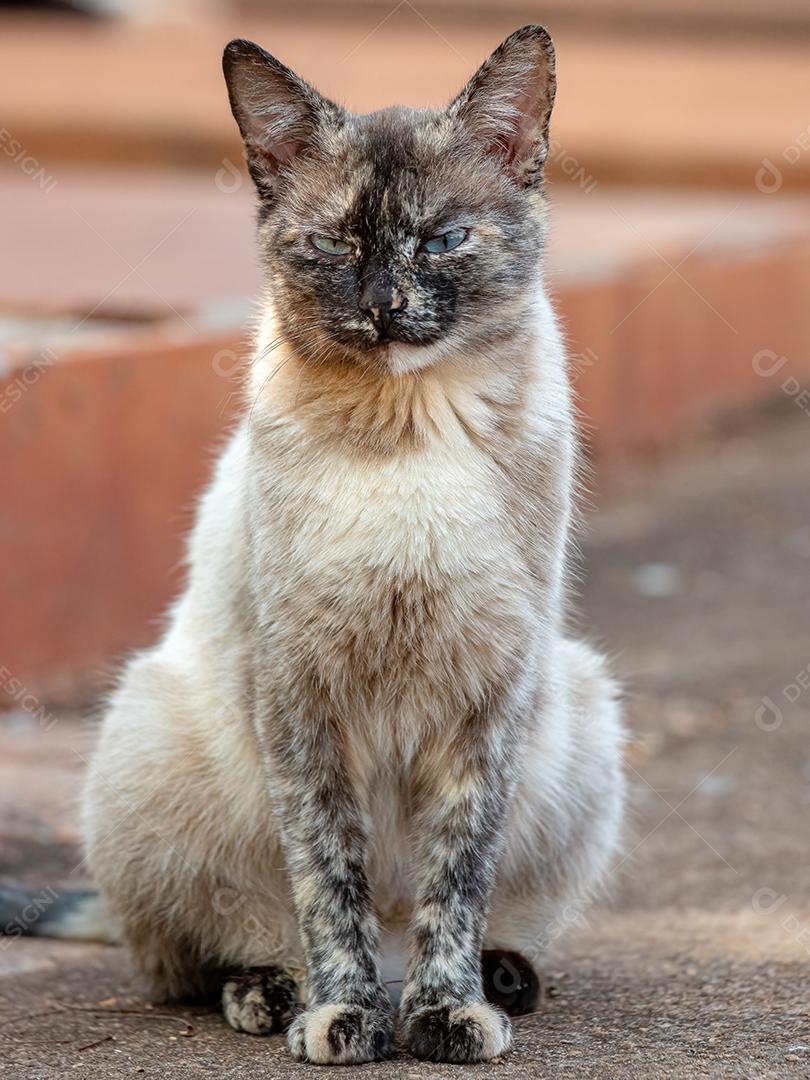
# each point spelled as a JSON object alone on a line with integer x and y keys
{"x": 507, "y": 104}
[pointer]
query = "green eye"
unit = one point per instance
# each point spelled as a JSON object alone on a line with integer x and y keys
{"x": 446, "y": 242}
{"x": 330, "y": 245}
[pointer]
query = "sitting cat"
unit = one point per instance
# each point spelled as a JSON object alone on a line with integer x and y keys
{"x": 364, "y": 714}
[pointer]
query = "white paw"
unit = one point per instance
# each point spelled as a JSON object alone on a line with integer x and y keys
{"x": 343, "y": 1034}
{"x": 460, "y": 1033}
{"x": 260, "y": 1001}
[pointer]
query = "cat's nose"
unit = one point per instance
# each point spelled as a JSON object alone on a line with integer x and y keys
{"x": 383, "y": 307}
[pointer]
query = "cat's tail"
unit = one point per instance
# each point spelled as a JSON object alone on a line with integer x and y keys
{"x": 74, "y": 914}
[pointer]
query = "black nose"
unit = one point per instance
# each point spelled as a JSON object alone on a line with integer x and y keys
{"x": 383, "y": 308}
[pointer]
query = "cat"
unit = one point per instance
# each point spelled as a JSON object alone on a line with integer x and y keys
{"x": 365, "y": 722}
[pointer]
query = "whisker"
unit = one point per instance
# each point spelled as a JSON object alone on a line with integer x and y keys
{"x": 275, "y": 371}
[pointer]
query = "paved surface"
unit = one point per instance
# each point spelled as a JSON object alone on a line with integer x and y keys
{"x": 697, "y": 964}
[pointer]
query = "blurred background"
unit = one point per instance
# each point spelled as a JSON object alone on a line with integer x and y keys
{"x": 680, "y": 262}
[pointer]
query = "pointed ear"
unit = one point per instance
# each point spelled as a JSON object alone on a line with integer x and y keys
{"x": 277, "y": 112}
{"x": 507, "y": 104}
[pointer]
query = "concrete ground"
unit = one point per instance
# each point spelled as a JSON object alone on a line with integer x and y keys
{"x": 696, "y": 965}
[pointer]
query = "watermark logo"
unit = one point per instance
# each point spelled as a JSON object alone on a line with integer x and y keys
{"x": 228, "y": 178}
{"x": 26, "y": 162}
{"x": 766, "y": 363}
{"x": 27, "y": 701}
{"x": 769, "y": 715}
{"x": 769, "y": 176}
{"x": 30, "y": 375}
{"x": 569, "y": 166}
{"x": 228, "y": 902}
{"x": 27, "y": 916}
{"x": 227, "y": 363}
{"x": 767, "y": 901}
{"x": 581, "y": 361}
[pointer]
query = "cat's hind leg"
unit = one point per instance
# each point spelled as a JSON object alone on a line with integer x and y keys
{"x": 510, "y": 981}
{"x": 261, "y": 1000}
{"x": 180, "y": 838}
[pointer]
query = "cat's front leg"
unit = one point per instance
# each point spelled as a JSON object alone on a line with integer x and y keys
{"x": 462, "y": 794}
{"x": 348, "y": 1017}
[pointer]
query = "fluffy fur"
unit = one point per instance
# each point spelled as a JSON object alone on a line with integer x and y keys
{"x": 365, "y": 713}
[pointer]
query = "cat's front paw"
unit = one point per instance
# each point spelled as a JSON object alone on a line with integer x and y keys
{"x": 342, "y": 1034}
{"x": 458, "y": 1033}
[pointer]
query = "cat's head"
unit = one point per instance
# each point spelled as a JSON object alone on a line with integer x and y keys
{"x": 392, "y": 239}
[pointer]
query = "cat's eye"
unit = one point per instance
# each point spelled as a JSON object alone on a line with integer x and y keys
{"x": 330, "y": 245}
{"x": 446, "y": 242}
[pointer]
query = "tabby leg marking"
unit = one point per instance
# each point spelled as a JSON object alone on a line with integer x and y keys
{"x": 349, "y": 1016}
{"x": 463, "y": 795}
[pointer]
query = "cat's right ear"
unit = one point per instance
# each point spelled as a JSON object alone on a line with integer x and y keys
{"x": 278, "y": 113}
